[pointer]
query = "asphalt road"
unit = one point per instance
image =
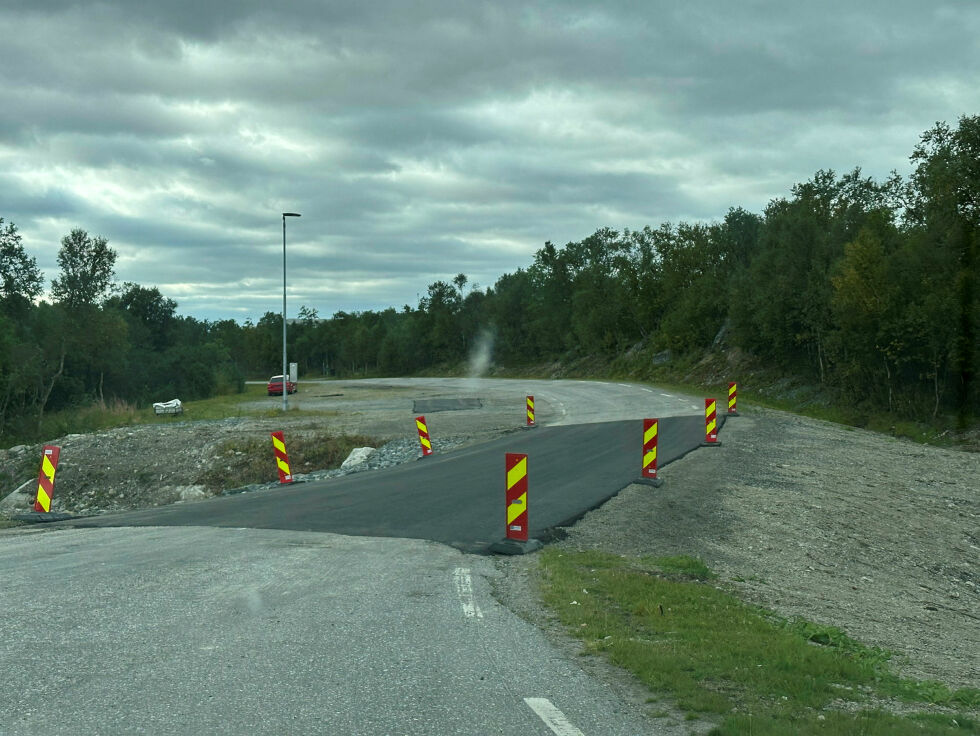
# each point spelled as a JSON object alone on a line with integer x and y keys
{"x": 226, "y": 631}
{"x": 456, "y": 498}
{"x": 211, "y": 629}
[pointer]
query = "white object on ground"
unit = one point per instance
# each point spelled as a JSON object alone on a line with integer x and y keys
{"x": 357, "y": 456}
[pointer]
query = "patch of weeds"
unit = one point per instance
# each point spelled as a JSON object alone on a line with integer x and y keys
{"x": 717, "y": 656}
{"x": 242, "y": 462}
{"x": 9, "y": 523}
{"x": 691, "y": 567}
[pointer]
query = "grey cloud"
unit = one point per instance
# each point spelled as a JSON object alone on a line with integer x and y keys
{"x": 421, "y": 140}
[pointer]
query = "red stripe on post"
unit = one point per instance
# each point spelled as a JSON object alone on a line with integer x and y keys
{"x": 649, "y": 463}
{"x": 710, "y": 420}
{"x": 515, "y": 482}
{"x": 424, "y": 440}
{"x": 282, "y": 458}
{"x": 45, "y": 478}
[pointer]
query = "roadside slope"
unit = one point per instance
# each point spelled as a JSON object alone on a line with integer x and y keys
{"x": 854, "y": 529}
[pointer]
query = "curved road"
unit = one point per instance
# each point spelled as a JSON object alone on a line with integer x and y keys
{"x": 232, "y": 630}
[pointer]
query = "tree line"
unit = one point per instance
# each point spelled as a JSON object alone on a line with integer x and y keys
{"x": 868, "y": 287}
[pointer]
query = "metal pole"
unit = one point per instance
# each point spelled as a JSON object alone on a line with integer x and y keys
{"x": 285, "y": 392}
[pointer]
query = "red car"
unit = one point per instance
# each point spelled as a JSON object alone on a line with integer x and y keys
{"x": 275, "y": 386}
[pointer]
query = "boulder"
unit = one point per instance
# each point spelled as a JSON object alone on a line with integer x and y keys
{"x": 357, "y": 456}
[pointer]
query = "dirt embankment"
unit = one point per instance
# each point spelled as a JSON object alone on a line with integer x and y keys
{"x": 874, "y": 535}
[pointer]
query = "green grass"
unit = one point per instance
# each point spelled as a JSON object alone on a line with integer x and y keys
{"x": 242, "y": 462}
{"x": 720, "y": 658}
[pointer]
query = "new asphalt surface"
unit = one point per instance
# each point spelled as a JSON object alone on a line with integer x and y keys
{"x": 456, "y": 498}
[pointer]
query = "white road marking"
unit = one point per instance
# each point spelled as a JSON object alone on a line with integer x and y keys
{"x": 464, "y": 589}
{"x": 648, "y": 390}
{"x": 669, "y": 396}
{"x": 624, "y": 385}
{"x": 552, "y": 717}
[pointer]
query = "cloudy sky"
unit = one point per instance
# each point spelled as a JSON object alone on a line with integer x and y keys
{"x": 424, "y": 138}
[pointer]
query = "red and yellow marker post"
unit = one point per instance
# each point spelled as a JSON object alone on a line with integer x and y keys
{"x": 732, "y": 395}
{"x": 530, "y": 412}
{"x": 282, "y": 459}
{"x": 45, "y": 478}
{"x": 424, "y": 439}
{"x": 516, "y": 475}
{"x": 710, "y": 423}
{"x": 648, "y": 468}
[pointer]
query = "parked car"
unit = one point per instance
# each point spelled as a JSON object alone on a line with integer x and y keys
{"x": 275, "y": 386}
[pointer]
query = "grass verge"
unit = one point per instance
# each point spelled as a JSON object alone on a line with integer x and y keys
{"x": 242, "y": 462}
{"x": 720, "y": 658}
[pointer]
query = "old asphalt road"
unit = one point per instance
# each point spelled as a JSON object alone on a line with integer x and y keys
{"x": 202, "y": 629}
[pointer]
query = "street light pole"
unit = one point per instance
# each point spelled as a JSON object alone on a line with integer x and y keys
{"x": 285, "y": 381}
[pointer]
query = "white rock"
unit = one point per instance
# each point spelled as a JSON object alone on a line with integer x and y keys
{"x": 191, "y": 493}
{"x": 357, "y": 456}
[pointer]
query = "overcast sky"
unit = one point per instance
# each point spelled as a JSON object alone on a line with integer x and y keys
{"x": 421, "y": 139}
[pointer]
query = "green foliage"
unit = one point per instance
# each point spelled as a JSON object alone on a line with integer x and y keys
{"x": 719, "y": 657}
{"x": 87, "y": 265}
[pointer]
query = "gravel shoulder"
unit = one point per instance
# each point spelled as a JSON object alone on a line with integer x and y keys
{"x": 854, "y": 529}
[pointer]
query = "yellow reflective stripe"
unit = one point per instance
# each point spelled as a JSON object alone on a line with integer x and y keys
{"x": 650, "y": 458}
{"x": 422, "y": 427}
{"x": 731, "y": 390}
{"x": 283, "y": 465}
{"x": 515, "y": 474}
{"x": 47, "y": 468}
{"x": 731, "y": 402}
{"x": 530, "y": 415}
{"x": 530, "y": 404}
{"x": 516, "y": 508}
{"x": 425, "y": 443}
{"x": 43, "y": 498}
{"x": 279, "y": 444}
{"x": 709, "y": 409}
{"x": 711, "y": 426}
{"x": 650, "y": 434}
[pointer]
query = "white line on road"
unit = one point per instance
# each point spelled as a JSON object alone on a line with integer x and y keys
{"x": 624, "y": 385}
{"x": 552, "y": 717}
{"x": 669, "y": 396}
{"x": 648, "y": 390}
{"x": 464, "y": 589}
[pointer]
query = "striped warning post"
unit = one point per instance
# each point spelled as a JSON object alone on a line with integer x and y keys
{"x": 424, "y": 439}
{"x": 732, "y": 395}
{"x": 45, "y": 478}
{"x": 282, "y": 459}
{"x": 710, "y": 422}
{"x": 516, "y": 468}
{"x": 648, "y": 470}
{"x": 530, "y": 411}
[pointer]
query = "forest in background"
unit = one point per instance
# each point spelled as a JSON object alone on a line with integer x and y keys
{"x": 867, "y": 288}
